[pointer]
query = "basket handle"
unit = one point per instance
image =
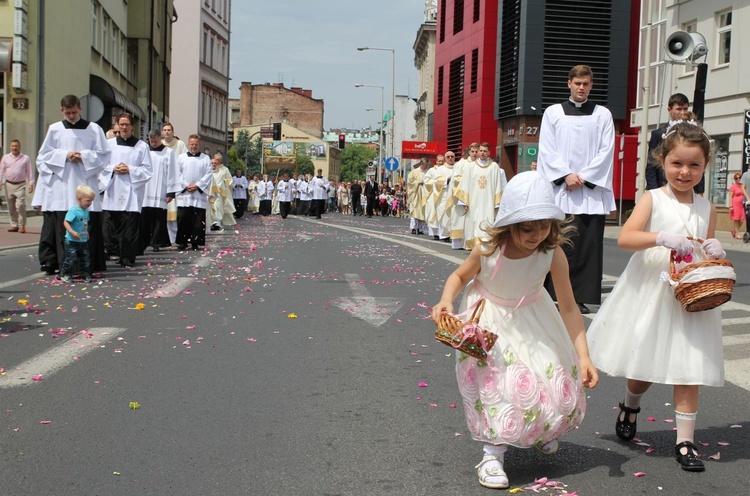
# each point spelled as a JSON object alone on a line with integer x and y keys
{"x": 673, "y": 254}
{"x": 477, "y": 311}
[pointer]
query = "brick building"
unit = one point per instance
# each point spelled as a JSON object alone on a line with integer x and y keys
{"x": 267, "y": 103}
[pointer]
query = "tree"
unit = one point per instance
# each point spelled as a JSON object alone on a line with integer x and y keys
{"x": 255, "y": 152}
{"x": 354, "y": 159}
{"x": 234, "y": 161}
{"x": 305, "y": 165}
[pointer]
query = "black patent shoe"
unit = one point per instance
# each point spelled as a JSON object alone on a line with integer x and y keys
{"x": 625, "y": 429}
{"x": 690, "y": 461}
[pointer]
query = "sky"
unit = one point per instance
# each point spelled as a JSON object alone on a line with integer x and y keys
{"x": 313, "y": 44}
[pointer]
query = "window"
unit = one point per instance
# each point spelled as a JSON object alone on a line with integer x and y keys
{"x": 211, "y": 59}
{"x": 204, "y": 56}
{"x": 474, "y": 69}
{"x": 657, "y": 21}
{"x": 123, "y": 55}
{"x": 105, "y": 36}
{"x": 724, "y": 32}
{"x": 477, "y": 4}
{"x": 442, "y": 20}
{"x": 440, "y": 86}
{"x": 113, "y": 43}
{"x": 94, "y": 25}
{"x": 458, "y": 16}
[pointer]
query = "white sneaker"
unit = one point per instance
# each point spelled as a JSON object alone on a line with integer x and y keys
{"x": 491, "y": 473}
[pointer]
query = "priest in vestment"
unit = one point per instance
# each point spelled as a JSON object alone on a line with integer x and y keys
{"x": 220, "y": 209}
{"x": 178, "y": 147}
{"x": 479, "y": 194}
{"x": 123, "y": 184}
{"x": 458, "y": 214}
{"x": 74, "y": 151}
{"x": 440, "y": 197}
{"x": 253, "y": 198}
{"x": 430, "y": 211}
{"x": 416, "y": 197}
{"x": 576, "y": 154}
{"x": 194, "y": 176}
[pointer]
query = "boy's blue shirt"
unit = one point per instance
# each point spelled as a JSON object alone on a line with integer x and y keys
{"x": 78, "y": 218}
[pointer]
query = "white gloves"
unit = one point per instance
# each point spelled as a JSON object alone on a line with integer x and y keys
{"x": 712, "y": 247}
{"x": 677, "y": 242}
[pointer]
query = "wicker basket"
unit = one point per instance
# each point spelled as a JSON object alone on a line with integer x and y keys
{"x": 701, "y": 295}
{"x": 451, "y": 331}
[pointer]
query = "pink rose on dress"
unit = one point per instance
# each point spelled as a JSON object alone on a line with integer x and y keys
{"x": 522, "y": 386}
{"x": 508, "y": 424}
{"x": 564, "y": 390}
{"x": 532, "y": 432}
{"x": 474, "y": 420}
{"x": 491, "y": 385}
{"x": 557, "y": 428}
{"x": 546, "y": 404}
{"x": 466, "y": 373}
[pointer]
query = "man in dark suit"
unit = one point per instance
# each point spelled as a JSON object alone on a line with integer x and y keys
{"x": 677, "y": 104}
{"x": 356, "y": 190}
{"x": 372, "y": 190}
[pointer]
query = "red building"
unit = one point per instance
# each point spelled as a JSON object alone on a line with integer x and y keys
{"x": 465, "y": 58}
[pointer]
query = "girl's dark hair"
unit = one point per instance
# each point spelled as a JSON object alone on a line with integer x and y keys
{"x": 687, "y": 132}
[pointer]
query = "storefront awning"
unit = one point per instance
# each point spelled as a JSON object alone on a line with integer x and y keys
{"x": 113, "y": 97}
{"x": 6, "y": 51}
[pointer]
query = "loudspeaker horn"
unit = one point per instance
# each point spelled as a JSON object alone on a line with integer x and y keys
{"x": 700, "y": 48}
{"x": 679, "y": 46}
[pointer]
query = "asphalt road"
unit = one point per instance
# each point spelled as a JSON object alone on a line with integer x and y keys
{"x": 286, "y": 359}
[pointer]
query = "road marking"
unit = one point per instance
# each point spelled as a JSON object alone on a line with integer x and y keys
{"x": 375, "y": 311}
{"x": 8, "y": 284}
{"x": 174, "y": 287}
{"x": 63, "y": 354}
{"x": 203, "y": 262}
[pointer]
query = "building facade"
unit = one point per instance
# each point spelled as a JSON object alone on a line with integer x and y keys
{"x": 727, "y": 85}
{"x": 117, "y": 63}
{"x": 268, "y": 103}
{"x": 424, "y": 61}
{"x": 200, "y": 81}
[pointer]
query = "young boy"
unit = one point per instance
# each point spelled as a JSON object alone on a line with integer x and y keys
{"x": 76, "y": 238}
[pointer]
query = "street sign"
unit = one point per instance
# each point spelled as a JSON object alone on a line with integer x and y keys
{"x": 391, "y": 163}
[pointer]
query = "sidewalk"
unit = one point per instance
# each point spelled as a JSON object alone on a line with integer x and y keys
{"x": 9, "y": 241}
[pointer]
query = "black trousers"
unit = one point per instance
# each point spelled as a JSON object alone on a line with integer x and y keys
{"x": 285, "y": 208}
{"x": 240, "y": 206}
{"x": 154, "y": 227}
{"x": 124, "y": 234}
{"x": 191, "y": 226}
{"x": 371, "y": 200}
{"x": 356, "y": 204}
{"x": 52, "y": 239}
{"x": 265, "y": 207}
{"x": 585, "y": 259}
{"x": 318, "y": 208}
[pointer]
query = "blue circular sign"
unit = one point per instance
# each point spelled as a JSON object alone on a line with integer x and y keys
{"x": 391, "y": 164}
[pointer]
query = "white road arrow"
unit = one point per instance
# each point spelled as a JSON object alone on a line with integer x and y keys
{"x": 374, "y": 311}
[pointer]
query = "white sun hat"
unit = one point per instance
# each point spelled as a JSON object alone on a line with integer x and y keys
{"x": 527, "y": 197}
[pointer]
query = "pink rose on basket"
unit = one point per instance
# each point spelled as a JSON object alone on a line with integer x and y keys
{"x": 564, "y": 390}
{"x": 509, "y": 424}
{"x": 473, "y": 419}
{"x": 522, "y": 385}
{"x": 466, "y": 373}
{"x": 491, "y": 385}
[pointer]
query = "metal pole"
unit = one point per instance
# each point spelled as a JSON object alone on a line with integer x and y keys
{"x": 393, "y": 100}
{"x": 643, "y": 159}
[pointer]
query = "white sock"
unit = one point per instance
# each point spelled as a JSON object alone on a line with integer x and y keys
{"x": 685, "y": 426}
{"x": 632, "y": 400}
{"x": 495, "y": 450}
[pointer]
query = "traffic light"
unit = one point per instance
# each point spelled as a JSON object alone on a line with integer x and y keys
{"x": 230, "y": 138}
{"x": 277, "y": 131}
{"x": 342, "y": 141}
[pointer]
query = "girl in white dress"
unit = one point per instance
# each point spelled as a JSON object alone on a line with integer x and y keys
{"x": 641, "y": 331}
{"x": 529, "y": 391}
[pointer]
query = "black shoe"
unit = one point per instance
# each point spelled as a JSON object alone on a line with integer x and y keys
{"x": 156, "y": 248}
{"x": 446, "y": 240}
{"x": 583, "y": 309}
{"x": 196, "y": 247}
{"x": 690, "y": 461}
{"x": 182, "y": 247}
{"x": 49, "y": 270}
{"x": 625, "y": 429}
{"x": 414, "y": 231}
{"x": 420, "y": 232}
{"x": 436, "y": 237}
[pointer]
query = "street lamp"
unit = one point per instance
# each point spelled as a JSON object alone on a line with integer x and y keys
{"x": 393, "y": 90}
{"x": 380, "y": 147}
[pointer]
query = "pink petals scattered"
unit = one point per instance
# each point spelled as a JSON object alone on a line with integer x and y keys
{"x": 37, "y": 378}
{"x": 639, "y": 474}
{"x": 422, "y": 384}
